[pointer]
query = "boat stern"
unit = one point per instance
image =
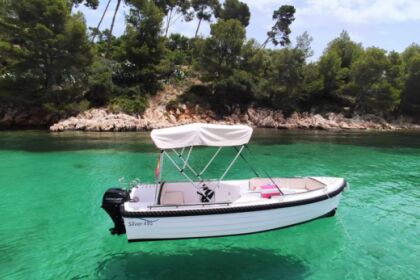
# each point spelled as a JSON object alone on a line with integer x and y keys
{"x": 111, "y": 203}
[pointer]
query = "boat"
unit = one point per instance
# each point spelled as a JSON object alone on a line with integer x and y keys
{"x": 200, "y": 207}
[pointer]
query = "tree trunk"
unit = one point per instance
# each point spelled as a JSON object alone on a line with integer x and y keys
{"x": 102, "y": 17}
{"x": 265, "y": 43}
{"x": 198, "y": 27}
{"x": 168, "y": 22}
{"x": 110, "y": 31}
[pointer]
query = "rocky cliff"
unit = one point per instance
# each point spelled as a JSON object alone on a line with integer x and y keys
{"x": 102, "y": 120}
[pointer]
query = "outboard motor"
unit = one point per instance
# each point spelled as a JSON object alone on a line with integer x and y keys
{"x": 111, "y": 202}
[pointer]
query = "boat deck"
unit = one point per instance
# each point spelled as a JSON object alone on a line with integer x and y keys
{"x": 233, "y": 193}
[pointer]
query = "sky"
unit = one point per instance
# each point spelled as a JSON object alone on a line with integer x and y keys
{"x": 388, "y": 24}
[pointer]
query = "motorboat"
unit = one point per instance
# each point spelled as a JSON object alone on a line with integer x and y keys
{"x": 201, "y": 207}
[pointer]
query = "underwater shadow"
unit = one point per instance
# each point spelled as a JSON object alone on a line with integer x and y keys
{"x": 203, "y": 264}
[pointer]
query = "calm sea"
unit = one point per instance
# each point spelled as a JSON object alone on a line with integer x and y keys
{"x": 52, "y": 226}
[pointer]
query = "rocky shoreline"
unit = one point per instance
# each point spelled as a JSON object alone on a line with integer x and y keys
{"x": 164, "y": 110}
{"x": 22, "y": 117}
{"x": 100, "y": 119}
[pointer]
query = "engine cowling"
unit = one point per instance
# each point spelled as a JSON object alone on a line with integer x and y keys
{"x": 111, "y": 203}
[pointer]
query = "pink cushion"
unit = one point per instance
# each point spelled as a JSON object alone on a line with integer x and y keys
{"x": 268, "y": 187}
{"x": 267, "y": 191}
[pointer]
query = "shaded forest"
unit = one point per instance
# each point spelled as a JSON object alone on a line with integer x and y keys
{"x": 49, "y": 59}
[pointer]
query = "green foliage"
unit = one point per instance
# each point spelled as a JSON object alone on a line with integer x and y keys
{"x": 311, "y": 90}
{"x": 287, "y": 82}
{"x": 346, "y": 49}
{"x": 279, "y": 33}
{"x": 221, "y": 53}
{"x": 144, "y": 45}
{"x": 204, "y": 10}
{"x": 410, "y": 52}
{"x": 254, "y": 60}
{"x": 71, "y": 107}
{"x": 44, "y": 49}
{"x": 101, "y": 46}
{"x": 221, "y": 60}
{"x": 197, "y": 94}
{"x": 234, "y": 9}
{"x": 335, "y": 69}
{"x": 180, "y": 49}
{"x": 411, "y": 95}
{"x": 236, "y": 89}
{"x": 332, "y": 73}
{"x": 88, "y": 3}
{"x": 46, "y": 60}
{"x": 283, "y": 84}
{"x": 172, "y": 8}
{"x": 129, "y": 105}
{"x": 100, "y": 82}
{"x": 395, "y": 71}
{"x": 303, "y": 43}
{"x": 373, "y": 83}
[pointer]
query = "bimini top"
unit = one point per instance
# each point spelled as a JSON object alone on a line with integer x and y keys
{"x": 199, "y": 134}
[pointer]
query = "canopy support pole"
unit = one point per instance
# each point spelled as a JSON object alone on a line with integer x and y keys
{"x": 179, "y": 169}
{"x": 186, "y": 163}
{"x": 160, "y": 165}
{"x": 188, "y": 157}
{"x": 231, "y": 163}
{"x": 210, "y": 161}
{"x": 159, "y": 183}
{"x": 266, "y": 173}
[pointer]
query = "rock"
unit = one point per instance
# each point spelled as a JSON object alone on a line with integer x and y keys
{"x": 20, "y": 119}
{"x": 344, "y": 125}
{"x": 319, "y": 122}
{"x": 99, "y": 119}
{"x": 8, "y": 117}
{"x": 235, "y": 118}
{"x": 172, "y": 119}
{"x": 57, "y": 127}
{"x": 244, "y": 118}
{"x": 268, "y": 122}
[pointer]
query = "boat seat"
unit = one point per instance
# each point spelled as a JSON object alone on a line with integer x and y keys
{"x": 226, "y": 192}
{"x": 255, "y": 184}
{"x": 303, "y": 184}
{"x": 172, "y": 198}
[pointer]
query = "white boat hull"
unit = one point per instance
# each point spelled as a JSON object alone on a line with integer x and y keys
{"x": 213, "y": 225}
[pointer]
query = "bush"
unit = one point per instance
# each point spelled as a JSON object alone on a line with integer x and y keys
{"x": 172, "y": 105}
{"x": 136, "y": 105}
{"x": 198, "y": 94}
{"x": 236, "y": 90}
{"x": 100, "y": 82}
{"x": 67, "y": 108}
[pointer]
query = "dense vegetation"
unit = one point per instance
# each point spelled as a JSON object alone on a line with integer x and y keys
{"x": 48, "y": 58}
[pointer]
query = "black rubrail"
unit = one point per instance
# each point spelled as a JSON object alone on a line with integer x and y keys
{"x": 111, "y": 202}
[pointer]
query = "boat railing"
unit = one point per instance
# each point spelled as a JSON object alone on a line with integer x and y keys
{"x": 189, "y": 204}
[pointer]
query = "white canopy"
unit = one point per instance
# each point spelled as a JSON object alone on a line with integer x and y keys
{"x": 199, "y": 134}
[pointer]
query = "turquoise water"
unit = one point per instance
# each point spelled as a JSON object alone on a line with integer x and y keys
{"x": 52, "y": 226}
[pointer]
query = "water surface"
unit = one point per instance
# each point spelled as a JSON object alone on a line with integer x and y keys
{"x": 53, "y": 228}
